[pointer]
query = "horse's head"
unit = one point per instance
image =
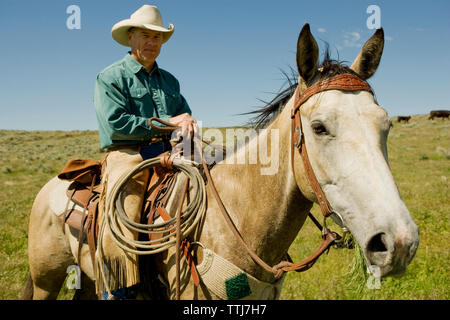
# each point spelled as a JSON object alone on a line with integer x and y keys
{"x": 346, "y": 137}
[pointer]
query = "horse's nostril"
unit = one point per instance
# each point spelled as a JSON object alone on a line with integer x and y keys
{"x": 377, "y": 244}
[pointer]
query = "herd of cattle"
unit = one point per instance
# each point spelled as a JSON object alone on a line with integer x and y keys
{"x": 444, "y": 114}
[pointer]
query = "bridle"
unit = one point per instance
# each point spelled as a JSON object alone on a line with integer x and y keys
{"x": 343, "y": 82}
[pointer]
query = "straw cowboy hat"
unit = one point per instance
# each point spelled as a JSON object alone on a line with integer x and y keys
{"x": 146, "y": 17}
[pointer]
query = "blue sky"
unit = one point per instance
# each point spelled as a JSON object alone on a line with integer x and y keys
{"x": 226, "y": 54}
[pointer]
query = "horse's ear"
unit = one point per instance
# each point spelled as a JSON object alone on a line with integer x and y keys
{"x": 307, "y": 54}
{"x": 367, "y": 61}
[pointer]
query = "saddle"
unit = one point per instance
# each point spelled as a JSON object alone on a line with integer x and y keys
{"x": 85, "y": 191}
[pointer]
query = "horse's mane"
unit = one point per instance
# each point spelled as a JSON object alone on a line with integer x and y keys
{"x": 327, "y": 69}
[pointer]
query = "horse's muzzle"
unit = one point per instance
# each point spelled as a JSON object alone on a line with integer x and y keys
{"x": 392, "y": 252}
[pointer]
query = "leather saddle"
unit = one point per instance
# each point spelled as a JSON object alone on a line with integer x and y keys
{"x": 85, "y": 190}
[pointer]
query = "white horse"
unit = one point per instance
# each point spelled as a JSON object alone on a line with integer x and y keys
{"x": 345, "y": 134}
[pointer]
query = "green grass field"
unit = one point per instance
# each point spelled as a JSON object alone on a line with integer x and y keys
{"x": 419, "y": 155}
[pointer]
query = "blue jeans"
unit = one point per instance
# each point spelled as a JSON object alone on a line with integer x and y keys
{"x": 154, "y": 149}
{"x": 121, "y": 294}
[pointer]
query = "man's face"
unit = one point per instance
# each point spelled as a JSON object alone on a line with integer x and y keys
{"x": 145, "y": 44}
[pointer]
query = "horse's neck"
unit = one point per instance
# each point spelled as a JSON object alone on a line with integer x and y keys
{"x": 268, "y": 210}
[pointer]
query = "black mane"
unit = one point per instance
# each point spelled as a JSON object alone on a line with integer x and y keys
{"x": 327, "y": 69}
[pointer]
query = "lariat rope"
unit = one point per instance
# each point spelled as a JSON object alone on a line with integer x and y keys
{"x": 187, "y": 219}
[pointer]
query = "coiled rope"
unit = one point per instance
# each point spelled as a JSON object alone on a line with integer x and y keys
{"x": 115, "y": 213}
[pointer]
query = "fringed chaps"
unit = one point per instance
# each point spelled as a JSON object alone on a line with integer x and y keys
{"x": 121, "y": 268}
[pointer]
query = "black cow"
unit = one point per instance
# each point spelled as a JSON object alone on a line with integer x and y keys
{"x": 444, "y": 114}
{"x": 403, "y": 118}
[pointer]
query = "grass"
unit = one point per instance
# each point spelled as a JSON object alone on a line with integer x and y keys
{"x": 419, "y": 156}
{"x": 28, "y": 159}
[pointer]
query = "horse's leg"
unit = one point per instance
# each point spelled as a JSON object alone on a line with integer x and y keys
{"x": 27, "y": 293}
{"x": 87, "y": 291}
{"x": 48, "y": 248}
{"x": 47, "y": 285}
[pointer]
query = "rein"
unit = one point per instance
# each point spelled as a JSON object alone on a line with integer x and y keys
{"x": 344, "y": 82}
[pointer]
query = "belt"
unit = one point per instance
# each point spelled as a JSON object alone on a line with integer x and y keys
{"x": 137, "y": 146}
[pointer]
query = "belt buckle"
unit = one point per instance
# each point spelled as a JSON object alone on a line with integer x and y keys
{"x": 156, "y": 139}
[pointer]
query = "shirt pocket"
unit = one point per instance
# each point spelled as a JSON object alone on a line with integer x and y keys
{"x": 172, "y": 100}
{"x": 138, "y": 93}
{"x": 138, "y": 99}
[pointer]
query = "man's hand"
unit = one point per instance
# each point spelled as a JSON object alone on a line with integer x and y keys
{"x": 187, "y": 125}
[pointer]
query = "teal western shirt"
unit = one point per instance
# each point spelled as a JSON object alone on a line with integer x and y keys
{"x": 126, "y": 96}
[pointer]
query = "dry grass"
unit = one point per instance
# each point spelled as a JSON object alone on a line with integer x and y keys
{"x": 419, "y": 155}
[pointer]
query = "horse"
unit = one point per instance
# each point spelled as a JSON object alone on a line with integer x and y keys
{"x": 345, "y": 133}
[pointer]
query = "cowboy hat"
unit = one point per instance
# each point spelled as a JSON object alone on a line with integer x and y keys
{"x": 146, "y": 17}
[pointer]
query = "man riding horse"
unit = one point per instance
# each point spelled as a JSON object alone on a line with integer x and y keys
{"x": 127, "y": 94}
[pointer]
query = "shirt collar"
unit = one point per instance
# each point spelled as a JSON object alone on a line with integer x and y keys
{"x": 136, "y": 66}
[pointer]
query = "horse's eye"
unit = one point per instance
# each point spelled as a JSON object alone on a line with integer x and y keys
{"x": 319, "y": 128}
